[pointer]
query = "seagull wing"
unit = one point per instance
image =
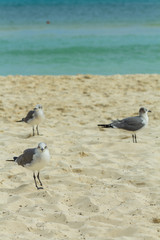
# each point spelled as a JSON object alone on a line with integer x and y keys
{"x": 29, "y": 116}
{"x": 130, "y": 124}
{"x": 26, "y": 157}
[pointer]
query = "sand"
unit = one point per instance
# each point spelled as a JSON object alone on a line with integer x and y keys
{"x": 99, "y": 185}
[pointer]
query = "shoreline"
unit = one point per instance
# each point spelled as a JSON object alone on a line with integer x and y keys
{"x": 78, "y": 74}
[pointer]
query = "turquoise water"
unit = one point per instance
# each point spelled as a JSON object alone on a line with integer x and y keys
{"x": 87, "y": 37}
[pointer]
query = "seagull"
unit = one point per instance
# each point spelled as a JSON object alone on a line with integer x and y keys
{"x": 131, "y": 123}
{"x": 34, "y": 117}
{"x": 34, "y": 159}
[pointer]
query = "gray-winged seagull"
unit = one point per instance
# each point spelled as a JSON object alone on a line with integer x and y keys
{"x": 34, "y": 117}
{"x": 131, "y": 123}
{"x": 34, "y": 159}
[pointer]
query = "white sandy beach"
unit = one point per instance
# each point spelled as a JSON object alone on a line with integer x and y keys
{"x": 99, "y": 184}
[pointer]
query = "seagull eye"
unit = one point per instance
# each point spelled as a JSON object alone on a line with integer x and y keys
{"x": 45, "y": 147}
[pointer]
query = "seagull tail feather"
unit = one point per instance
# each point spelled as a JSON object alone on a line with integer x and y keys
{"x": 22, "y": 120}
{"x": 105, "y": 125}
{"x": 11, "y": 160}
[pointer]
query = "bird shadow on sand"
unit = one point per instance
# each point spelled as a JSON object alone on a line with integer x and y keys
{"x": 18, "y": 189}
{"x": 25, "y": 136}
{"x": 30, "y": 136}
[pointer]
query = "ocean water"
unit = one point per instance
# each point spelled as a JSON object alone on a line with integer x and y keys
{"x": 83, "y": 37}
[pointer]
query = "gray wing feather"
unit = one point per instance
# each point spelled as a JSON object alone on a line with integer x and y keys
{"x": 26, "y": 157}
{"x": 29, "y": 116}
{"x": 130, "y": 124}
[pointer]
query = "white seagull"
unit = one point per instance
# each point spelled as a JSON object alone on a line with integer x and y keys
{"x": 131, "y": 123}
{"x": 34, "y": 159}
{"x": 34, "y": 117}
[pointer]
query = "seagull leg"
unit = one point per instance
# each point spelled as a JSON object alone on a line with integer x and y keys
{"x": 36, "y": 182}
{"x": 135, "y": 137}
{"x": 39, "y": 179}
{"x": 37, "y": 130}
{"x": 33, "y": 131}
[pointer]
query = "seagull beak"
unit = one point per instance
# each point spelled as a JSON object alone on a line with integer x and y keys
{"x": 149, "y": 110}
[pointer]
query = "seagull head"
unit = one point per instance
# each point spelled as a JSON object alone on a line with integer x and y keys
{"x": 143, "y": 111}
{"x": 38, "y": 107}
{"x": 42, "y": 147}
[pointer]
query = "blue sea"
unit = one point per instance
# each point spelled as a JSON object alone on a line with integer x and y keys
{"x": 66, "y": 37}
